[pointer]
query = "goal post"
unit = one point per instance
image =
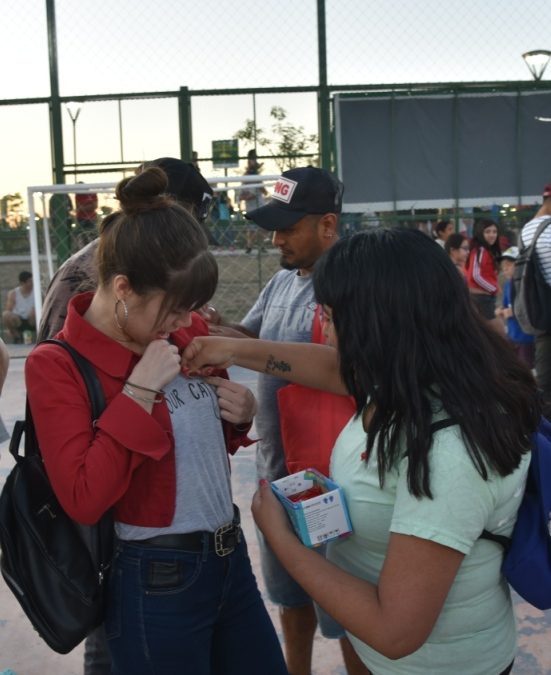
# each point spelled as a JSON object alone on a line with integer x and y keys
{"x": 51, "y": 206}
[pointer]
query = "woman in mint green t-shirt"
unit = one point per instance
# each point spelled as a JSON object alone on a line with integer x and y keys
{"x": 416, "y": 589}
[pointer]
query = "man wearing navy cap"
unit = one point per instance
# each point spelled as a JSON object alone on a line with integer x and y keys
{"x": 303, "y": 215}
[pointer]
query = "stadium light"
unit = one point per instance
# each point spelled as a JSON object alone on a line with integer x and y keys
{"x": 74, "y": 111}
{"x": 537, "y": 61}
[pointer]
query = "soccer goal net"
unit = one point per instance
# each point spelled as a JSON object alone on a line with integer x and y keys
{"x": 64, "y": 218}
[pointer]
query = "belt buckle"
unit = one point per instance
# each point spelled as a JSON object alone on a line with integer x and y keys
{"x": 219, "y": 539}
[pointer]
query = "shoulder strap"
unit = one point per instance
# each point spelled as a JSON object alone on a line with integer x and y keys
{"x": 500, "y": 539}
{"x": 89, "y": 376}
{"x": 541, "y": 227}
{"x": 486, "y": 534}
{"x": 442, "y": 424}
{"x": 95, "y": 394}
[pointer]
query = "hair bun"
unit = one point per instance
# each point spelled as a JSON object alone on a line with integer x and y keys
{"x": 146, "y": 190}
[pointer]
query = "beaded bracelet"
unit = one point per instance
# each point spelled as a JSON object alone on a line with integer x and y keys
{"x": 139, "y": 386}
{"x": 126, "y": 389}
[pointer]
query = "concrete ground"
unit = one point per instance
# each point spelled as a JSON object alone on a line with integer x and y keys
{"x": 24, "y": 652}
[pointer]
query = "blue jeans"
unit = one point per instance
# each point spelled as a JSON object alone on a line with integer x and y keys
{"x": 173, "y": 612}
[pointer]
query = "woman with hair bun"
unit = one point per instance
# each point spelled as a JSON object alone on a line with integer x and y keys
{"x": 182, "y": 597}
{"x": 438, "y": 451}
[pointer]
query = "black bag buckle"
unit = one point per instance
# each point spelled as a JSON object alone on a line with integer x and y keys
{"x": 226, "y": 538}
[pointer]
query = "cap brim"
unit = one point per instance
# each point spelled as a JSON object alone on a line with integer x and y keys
{"x": 274, "y": 217}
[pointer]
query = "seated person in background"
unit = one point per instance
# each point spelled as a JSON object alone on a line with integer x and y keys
{"x": 19, "y": 313}
{"x": 521, "y": 341}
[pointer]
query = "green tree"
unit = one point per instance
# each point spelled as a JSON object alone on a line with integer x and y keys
{"x": 287, "y": 143}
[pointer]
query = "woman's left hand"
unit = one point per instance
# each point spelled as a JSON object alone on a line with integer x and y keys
{"x": 269, "y": 514}
{"x": 237, "y": 403}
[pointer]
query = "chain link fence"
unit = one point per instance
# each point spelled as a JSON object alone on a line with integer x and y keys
{"x": 139, "y": 80}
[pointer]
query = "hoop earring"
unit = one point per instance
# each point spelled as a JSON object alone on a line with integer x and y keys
{"x": 125, "y": 311}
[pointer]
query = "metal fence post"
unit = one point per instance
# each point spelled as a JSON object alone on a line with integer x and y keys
{"x": 324, "y": 113}
{"x": 184, "y": 114}
{"x": 55, "y": 103}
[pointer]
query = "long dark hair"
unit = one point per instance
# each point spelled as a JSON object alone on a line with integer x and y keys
{"x": 478, "y": 240}
{"x": 409, "y": 340}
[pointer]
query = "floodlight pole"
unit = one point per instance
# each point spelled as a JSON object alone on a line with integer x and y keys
{"x": 536, "y": 61}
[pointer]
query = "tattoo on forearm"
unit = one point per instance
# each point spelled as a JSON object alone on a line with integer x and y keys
{"x": 272, "y": 365}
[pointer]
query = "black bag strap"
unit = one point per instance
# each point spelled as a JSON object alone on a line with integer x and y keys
{"x": 500, "y": 539}
{"x": 89, "y": 376}
{"x": 486, "y": 534}
{"x": 442, "y": 424}
{"x": 541, "y": 227}
{"x": 95, "y": 394}
{"x": 100, "y": 537}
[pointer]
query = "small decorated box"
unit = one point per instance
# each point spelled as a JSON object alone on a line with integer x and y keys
{"x": 315, "y": 505}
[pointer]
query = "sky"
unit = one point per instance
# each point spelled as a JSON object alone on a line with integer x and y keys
{"x": 118, "y": 46}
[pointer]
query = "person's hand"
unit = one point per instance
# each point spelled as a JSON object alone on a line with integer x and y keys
{"x": 208, "y": 351}
{"x": 269, "y": 514}
{"x": 159, "y": 365}
{"x": 237, "y": 402}
{"x": 507, "y": 312}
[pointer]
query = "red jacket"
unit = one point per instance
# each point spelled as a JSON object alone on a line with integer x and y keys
{"x": 128, "y": 460}
{"x": 481, "y": 271}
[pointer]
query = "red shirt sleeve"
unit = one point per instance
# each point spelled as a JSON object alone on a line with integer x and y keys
{"x": 89, "y": 468}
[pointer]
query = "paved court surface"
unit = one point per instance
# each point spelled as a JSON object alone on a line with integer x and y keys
{"x": 23, "y": 651}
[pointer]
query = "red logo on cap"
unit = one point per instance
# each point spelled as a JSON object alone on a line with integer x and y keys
{"x": 283, "y": 189}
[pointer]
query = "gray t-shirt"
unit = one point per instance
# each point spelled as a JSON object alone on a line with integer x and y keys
{"x": 203, "y": 490}
{"x": 284, "y": 311}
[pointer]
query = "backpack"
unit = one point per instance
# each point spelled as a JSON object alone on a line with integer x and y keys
{"x": 527, "y": 557}
{"x": 531, "y": 293}
{"x": 53, "y": 566}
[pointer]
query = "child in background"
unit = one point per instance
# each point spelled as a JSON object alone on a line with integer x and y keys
{"x": 522, "y": 342}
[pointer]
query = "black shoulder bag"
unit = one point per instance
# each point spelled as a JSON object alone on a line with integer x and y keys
{"x": 54, "y": 566}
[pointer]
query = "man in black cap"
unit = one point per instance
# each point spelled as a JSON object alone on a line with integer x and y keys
{"x": 79, "y": 272}
{"x": 303, "y": 215}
